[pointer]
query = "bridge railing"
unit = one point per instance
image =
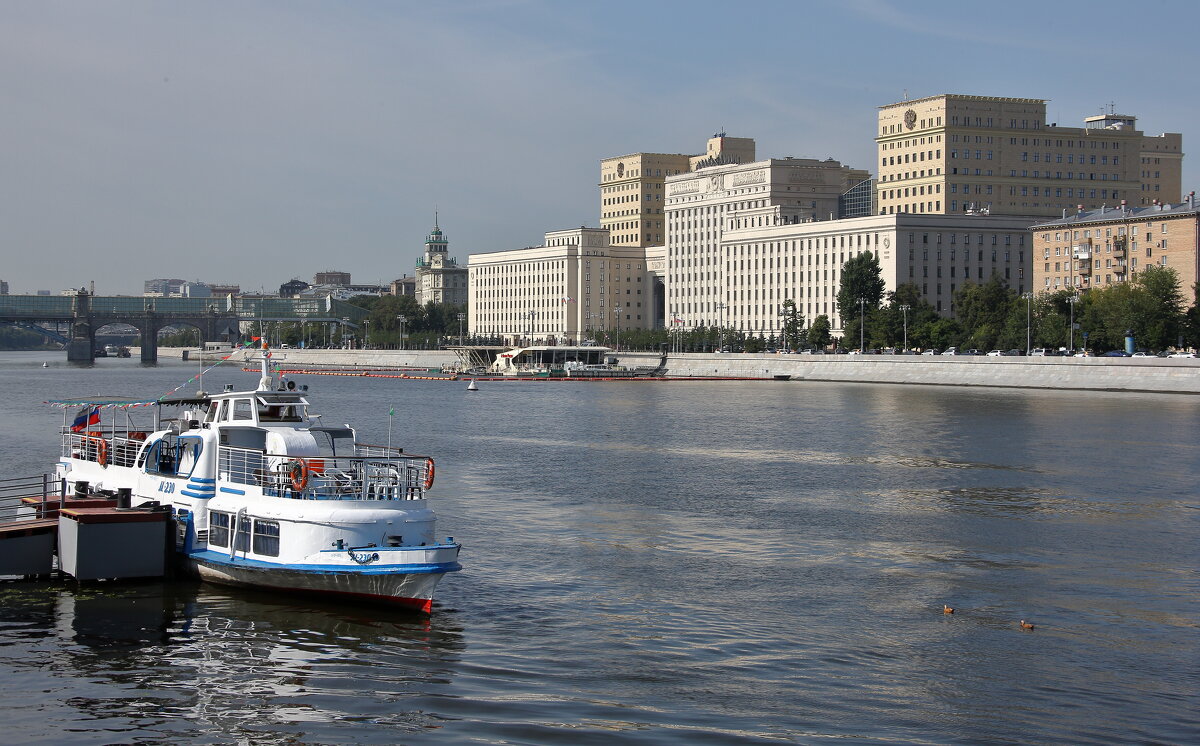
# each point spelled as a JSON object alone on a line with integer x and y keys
{"x": 43, "y": 307}
{"x": 36, "y": 306}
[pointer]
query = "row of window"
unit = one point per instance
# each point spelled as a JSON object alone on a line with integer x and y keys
{"x": 253, "y": 534}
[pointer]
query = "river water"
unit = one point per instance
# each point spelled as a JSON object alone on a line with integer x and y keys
{"x": 672, "y": 562}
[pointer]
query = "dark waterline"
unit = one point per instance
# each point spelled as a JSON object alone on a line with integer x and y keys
{"x": 722, "y": 562}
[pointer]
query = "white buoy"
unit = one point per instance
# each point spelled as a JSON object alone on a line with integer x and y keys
{"x": 45, "y": 364}
{"x": 471, "y": 386}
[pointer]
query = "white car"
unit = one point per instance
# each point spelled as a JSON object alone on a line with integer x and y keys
{"x": 996, "y": 353}
{"x": 1143, "y": 354}
{"x": 951, "y": 351}
{"x": 1182, "y": 354}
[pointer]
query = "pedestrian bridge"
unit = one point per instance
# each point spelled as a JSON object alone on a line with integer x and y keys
{"x": 218, "y": 319}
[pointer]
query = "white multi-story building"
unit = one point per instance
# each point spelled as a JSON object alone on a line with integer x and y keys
{"x": 703, "y": 205}
{"x": 561, "y": 291}
{"x": 762, "y": 265}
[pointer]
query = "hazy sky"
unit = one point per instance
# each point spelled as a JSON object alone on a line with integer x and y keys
{"x": 252, "y": 142}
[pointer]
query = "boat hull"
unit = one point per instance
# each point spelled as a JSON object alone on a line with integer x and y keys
{"x": 409, "y": 590}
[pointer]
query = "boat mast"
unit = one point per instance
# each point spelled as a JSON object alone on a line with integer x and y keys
{"x": 267, "y": 381}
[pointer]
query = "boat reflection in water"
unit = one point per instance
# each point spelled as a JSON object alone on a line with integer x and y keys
{"x": 180, "y": 661}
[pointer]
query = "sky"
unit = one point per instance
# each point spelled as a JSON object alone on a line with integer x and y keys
{"x": 255, "y": 142}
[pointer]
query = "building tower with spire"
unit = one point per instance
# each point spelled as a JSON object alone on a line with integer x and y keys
{"x": 439, "y": 278}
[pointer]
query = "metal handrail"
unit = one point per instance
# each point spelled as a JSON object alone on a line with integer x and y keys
{"x": 358, "y": 477}
{"x": 14, "y": 492}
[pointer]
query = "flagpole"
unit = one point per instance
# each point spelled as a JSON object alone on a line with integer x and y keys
{"x": 391, "y": 415}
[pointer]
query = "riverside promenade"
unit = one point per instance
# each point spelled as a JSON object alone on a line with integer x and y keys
{"x": 1155, "y": 375}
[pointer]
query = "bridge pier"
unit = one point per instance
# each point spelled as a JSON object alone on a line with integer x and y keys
{"x": 82, "y": 347}
{"x": 149, "y": 342}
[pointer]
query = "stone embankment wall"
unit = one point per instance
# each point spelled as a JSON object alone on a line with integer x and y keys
{"x": 1164, "y": 375}
{"x": 1099, "y": 374}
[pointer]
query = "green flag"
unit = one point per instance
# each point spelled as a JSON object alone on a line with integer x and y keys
{"x": 392, "y": 411}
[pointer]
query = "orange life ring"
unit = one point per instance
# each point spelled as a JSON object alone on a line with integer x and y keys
{"x": 101, "y": 450}
{"x": 298, "y": 471}
{"x": 428, "y": 473}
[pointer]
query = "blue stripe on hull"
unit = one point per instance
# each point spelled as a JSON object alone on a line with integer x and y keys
{"x": 221, "y": 559}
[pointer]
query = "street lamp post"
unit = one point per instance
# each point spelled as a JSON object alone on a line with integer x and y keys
{"x": 529, "y": 327}
{"x": 402, "y": 319}
{"x": 366, "y": 334}
{"x": 617, "y": 330}
{"x": 904, "y": 309}
{"x": 1071, "y": 299}
{"x": 862, "y": 304}
{"x": 461, "y": 316}
{"x": 1028, "y": 321}
{"x": 345, "y": 323}
{"x": 721, "y": 326}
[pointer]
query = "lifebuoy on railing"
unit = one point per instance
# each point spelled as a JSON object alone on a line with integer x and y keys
{"x": 298, "y": 471}
{"x": 428, "y": 473}
{"x": 101, "y": 450}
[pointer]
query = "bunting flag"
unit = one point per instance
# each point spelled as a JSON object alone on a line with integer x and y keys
{"x": 392, "y": 412}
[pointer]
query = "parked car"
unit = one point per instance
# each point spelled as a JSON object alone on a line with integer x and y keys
{"x": 1115, "y": 353}
{"x": 1014, "y": 353}
{"x": 1040, "y": 352}
{"x": 995, "y": 353}
{"x": 971, "y": 351}
{"x": 931, "y": 351}
{"x": 951, "y": 351}
{"x": 1143, "y": 353}
{"x": 1183, "y": 354}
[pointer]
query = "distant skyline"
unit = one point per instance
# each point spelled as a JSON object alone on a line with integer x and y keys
{"x": 254, "y": 142}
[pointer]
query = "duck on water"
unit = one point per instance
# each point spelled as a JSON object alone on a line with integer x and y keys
{"x": 263, "y": 495}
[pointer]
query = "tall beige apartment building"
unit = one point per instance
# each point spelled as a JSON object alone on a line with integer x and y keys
{"x": 632, "y": 187}
{"x": 1099, "y": 248}
{"x": 954, "y": 154}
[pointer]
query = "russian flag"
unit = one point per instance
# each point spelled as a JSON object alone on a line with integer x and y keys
{"x": 87, "y": 416}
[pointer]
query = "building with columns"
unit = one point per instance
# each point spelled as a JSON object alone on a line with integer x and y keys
{"x": 439, "y": 279}
{"x": 576, "y": 282}
{"x": 704, "y": 205}
{"x": 949, "y": 154}
{"x": 762, "y": 265}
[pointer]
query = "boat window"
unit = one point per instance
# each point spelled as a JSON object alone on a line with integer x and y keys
{"x": 241, "y": 541}
{"x": 189, "y": 454}
{"x": 278, "y": 413}
{"x": 334, "y": 443}
{"x": 266, "y": 538}
{"x": 171, "y": 457}
{"x": 214, "y": 411}
{"x": 218, "y": 529}
{"x": 242, "y": 410}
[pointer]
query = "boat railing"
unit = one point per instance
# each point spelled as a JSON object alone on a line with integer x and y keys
{"x": 24, "y": 499}
{"x": 359, "y": 477}
{"x": 102, "y": 447}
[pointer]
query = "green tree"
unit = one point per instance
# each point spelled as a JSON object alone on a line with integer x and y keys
{"x": 889, "y": 322}
{"x": 1151, "y": 307}
{"x": 983, "y": 311}
{"x": 793, "y": 322}
{"x": 1191, "y": 326}
{"x": 819, "y": 334}
{"x": 862, "y": 280}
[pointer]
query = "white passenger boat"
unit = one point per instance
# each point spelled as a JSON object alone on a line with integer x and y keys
{"x": 263, "y": 495}
{"x": 564, "y": 361}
